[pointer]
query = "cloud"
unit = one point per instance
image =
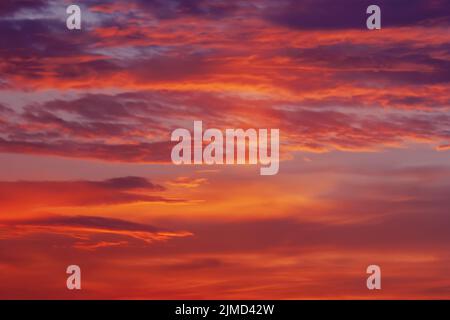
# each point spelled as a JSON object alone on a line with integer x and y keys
{"x": 38, "y": 194}
{"x": 173, "y": 9}
{"x": 351, "y": 14}
{"x": 140, "y": 69}
{"x": 443, "y": 147}
{"x": 127, "y": 127}
{"x": 90, "y": 232}
{"x": 395, "y": 216}
{"x": 157, "y": 152}
{"x": 8, "y": 7}
{"x": 187, "y": 182}
{"x": 128, "y": 183}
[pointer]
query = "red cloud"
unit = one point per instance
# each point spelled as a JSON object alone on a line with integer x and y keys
{"x": 37, "y": 194}
{"x": 95, "y": 232}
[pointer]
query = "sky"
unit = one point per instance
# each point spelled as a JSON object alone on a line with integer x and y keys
{"x": 86, "y": 176}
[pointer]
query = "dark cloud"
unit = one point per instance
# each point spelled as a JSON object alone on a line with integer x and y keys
{"x": 128, "y": 183}
{"x": 35, "y": 194}
{"x": 93, "y": 107}
{"x": 173, "y": 9}
{"x": 87, "y": 221}
{"x": 176, "y": 68}
{"x": 86, "y": 232}
{"x": 8, "y": 7}
{"x": 157, "y": 152}
{"x": 384, "y": 65}
{"x": 29, "y": 46}
{"x": 351, "y": 14}
{"x": 38, "y": 38}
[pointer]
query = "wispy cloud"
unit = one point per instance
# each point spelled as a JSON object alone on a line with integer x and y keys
{"x": 95, "y": 232}
{"x": 39, "y": 194}
{"x": 85, "y": 123}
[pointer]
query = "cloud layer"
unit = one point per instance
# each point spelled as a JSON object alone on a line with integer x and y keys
{"x": 85, "y": 171}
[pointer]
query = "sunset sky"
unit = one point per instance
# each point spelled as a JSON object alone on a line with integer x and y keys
{"x": 86, "y": 176}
